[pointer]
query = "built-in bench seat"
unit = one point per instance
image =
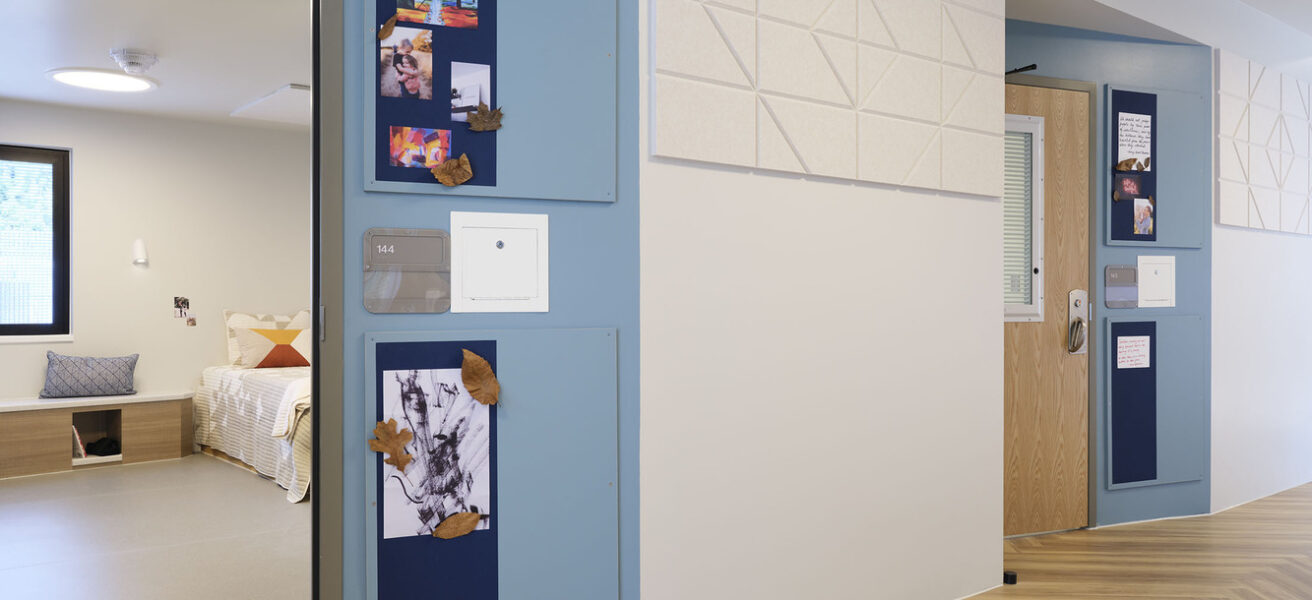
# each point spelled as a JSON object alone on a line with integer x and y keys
{"x": 36, "y": 434}
{"x": 34, "y": 403}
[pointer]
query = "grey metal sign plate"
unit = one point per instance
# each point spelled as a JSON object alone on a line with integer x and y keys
{"x": 407, "y": 270}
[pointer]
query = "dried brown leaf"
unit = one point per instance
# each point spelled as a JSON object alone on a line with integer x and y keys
{"x": 1126, "y": 165}
{"x": 454, "y": 171}
{"x": 392, "y": 442}
{"x": 1148, "y": 162}
{"x": 457, "y": 525}
{"x": 1139, "y": 166}
{"x": 485, "y": 119}
{"x": 479, "y": 379}
{"x": 385, "y": 31}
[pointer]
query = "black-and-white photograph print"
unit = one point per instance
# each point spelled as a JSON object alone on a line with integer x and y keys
{"x": 471, "y": 84}
{"x": 451, "y": 469}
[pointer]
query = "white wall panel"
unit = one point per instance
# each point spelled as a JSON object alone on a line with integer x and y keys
{"x": 793, "y": 330}
{"x": 933, "y": 63}
{"x": 1262, "y": 147}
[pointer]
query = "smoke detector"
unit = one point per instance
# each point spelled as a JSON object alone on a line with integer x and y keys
{"x": 133, "y": 62}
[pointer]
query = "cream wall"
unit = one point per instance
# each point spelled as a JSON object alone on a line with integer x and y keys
{"x": 224, "y": 208}
{"x": 821, "y": 385}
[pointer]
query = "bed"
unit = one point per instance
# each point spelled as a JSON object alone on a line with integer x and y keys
{"x": 260, "y": 417}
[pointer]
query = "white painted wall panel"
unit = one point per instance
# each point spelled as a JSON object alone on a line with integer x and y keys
{"x": 794, "y": 333}
{"x": 1261, "y": 414}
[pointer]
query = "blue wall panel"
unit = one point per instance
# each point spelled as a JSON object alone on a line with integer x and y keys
{"x": 594, "y": 246}
{"x": 1181, "y": 76}
{"x": 556, "y": 79}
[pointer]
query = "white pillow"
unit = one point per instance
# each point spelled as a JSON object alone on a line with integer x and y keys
{"x": 235, "y": 320}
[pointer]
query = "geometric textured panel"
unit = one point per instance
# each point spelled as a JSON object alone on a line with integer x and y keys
{"x": 903, "y": 92}
{"x": 1262, "y": 147}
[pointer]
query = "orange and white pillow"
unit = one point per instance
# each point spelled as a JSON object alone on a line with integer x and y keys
{"x": 235, "y": 320}
{"x": 264, "y": 348}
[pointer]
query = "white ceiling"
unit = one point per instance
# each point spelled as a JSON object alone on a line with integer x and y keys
{"x": 1277, "y": 33}
{"x": 215, "y": 56}
{"x": 1091, "y": 15}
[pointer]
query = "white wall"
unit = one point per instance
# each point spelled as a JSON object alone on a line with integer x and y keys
{"x": 821, "y": 386}
{"x": 1261, "y": 382}
{"x": 224, "y": 208}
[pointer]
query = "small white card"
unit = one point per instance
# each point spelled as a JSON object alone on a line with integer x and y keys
{"x": 1156, "y": 281}
{"x": 1133, "y": 352}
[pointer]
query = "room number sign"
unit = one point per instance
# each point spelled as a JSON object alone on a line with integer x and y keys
{"x": 407, "y": 271}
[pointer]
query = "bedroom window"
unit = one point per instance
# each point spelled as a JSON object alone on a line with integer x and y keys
{"x": 34, "y": 264}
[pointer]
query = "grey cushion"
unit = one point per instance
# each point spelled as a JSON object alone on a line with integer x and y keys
{"x": 73, "y": 376}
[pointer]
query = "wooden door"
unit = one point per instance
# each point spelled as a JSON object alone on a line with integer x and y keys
{"x": 1047, "y": 389}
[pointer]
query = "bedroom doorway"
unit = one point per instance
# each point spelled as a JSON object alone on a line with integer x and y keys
{"x": 157, "y": 229}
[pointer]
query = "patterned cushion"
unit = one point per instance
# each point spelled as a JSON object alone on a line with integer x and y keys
{"x": 267, "y": 348}
{"x": 235, "y": 320}
{"x": 74, "y": 376}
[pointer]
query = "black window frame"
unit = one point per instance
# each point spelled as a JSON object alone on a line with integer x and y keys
{"x": 60, "y": 298}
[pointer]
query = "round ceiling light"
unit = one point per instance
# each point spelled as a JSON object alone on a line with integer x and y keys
{"x": 101, "y": 79}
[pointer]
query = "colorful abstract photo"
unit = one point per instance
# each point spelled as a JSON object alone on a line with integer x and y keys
{"x": 462, "y": 14}
{"x": 419, "y": 147}
{"x": 405, "y": 64}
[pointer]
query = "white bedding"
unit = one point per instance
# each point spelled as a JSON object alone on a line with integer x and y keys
{"x": 260, "y": 417}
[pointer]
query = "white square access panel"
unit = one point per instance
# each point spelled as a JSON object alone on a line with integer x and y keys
{"x": 1156, "y": 281}
{"x": 499, "y": 262}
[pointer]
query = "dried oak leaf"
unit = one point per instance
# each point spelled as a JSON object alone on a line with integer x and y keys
{"x": 479, "y": 379}
{"x": 456, "y": 525}
{"x": 1126, "y": 165}
{"x": 392, "y": 442}
{"x": 385, "y": 31}
{"x": 454, "y": 171}
{"x": 485, "y": 119}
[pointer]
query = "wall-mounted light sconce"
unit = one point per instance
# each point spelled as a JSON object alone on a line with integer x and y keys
{"x": 139, "y": 256}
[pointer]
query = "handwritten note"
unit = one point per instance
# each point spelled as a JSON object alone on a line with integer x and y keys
{"x": 1134, "y": 135}
{"x": 1132, "y": 352}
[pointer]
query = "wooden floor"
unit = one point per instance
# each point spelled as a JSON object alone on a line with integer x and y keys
{"x": 1261, "y": 550}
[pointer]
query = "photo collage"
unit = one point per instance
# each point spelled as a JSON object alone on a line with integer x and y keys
{"x": 436, "y": 46}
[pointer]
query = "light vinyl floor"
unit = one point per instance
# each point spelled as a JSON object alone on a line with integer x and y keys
{"x": 1258, "y": 551}
{"x": 194, "y": 528}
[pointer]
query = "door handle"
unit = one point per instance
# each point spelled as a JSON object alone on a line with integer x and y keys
{"x": 1077, "y": 322}
{"x": 1075, "y": 336}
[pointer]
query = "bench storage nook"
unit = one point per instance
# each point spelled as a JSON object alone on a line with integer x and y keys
{"x": 36, "y": 434}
